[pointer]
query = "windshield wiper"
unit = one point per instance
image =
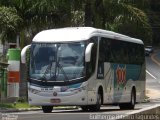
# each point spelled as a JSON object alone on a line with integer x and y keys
{"x": 61, "y": 67}
{"x": 43, "y": 78}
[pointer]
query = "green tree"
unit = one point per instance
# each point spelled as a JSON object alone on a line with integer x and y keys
{"x": 9, "y": 23}
{"x": 154, "y": 19}
{"x": 38, "y": 15}
{"x": 119, "y": 16}
{"x": 131, "y": 21}
{"x": 116, "y": 15}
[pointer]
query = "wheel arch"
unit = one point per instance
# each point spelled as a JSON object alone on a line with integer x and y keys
{"x": 101, "y": 91}
{"x": 134, "y": 90}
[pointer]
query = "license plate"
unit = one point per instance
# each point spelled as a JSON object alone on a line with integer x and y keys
{"x": 55, "y": 100}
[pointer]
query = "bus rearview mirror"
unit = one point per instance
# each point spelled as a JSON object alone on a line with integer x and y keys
{"x": 23, "y": 53}
{"x": 88, "y": 52}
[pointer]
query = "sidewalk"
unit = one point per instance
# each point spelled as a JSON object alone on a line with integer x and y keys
{"x": 153, "y": 93}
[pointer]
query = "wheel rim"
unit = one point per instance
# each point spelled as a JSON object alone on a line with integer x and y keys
{"x": 99, "y": 101}
{"x": 132, "y": 99}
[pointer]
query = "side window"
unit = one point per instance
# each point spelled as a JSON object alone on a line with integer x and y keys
{"x": 105, "y": 50}
{"x": 102, "y": 44}
{"x": 140, "y": 54}
{"x": 125, "y": 53}
{"x": 136, "y": 53}
{"x": 131, "y": 53}
{"x": 101, "y": 58}
{"x": 119, "y": 52}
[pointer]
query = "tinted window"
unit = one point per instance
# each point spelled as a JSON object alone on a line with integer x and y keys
{"x": 118, "y": 51}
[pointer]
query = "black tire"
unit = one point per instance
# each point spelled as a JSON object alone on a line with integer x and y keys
{"x": 47, "y": 109}
{"x": 96, "y": 107}
{"x": 85, "y": 108}
{"x": 131, "y": 104}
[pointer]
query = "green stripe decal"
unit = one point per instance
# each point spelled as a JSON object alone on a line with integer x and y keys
{"x": 14, "y": 54}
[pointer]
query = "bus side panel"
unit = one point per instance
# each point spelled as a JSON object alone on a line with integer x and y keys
{"x": 108, "y": 83}
{"x": 118, "y": 82}
{"x": 92, "y": 90}
{"x": 125, "y": 77}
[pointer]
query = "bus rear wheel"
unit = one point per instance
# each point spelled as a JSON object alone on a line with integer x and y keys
{"x": 47, "y": 109}
{"x": 131, "y": 104}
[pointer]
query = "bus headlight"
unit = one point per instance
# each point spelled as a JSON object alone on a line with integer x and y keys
{"x": 34, "y": 91}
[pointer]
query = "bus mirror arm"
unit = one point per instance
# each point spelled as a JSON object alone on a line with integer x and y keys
{"x": 88, "y": 52}
{"x": 23, "y": 53}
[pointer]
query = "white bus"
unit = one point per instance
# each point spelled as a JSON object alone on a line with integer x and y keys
{"x": 86, "y": 67}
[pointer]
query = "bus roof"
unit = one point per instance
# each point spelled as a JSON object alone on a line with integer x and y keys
{"x": 78, "y": 34}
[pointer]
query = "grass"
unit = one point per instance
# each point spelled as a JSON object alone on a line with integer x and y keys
{"x": 16, "y": 105}
{"x": 25, "y": 105}
{"x": 146, "y": 99}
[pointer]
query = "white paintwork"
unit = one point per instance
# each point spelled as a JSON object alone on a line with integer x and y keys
{"x": 77, "y": 34}
{"x": 23, "y": 53}
{"x": 88, "y": 52}
{"x": 71, "y": 97}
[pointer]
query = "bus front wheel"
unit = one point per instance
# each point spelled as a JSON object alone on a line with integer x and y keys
{"x": 47, "y": 109}
{"x": 98, "y": 104}
{"x": 85, "y": 108}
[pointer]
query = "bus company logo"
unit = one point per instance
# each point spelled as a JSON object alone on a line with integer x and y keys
{"x": 54, "y": 93}
{"x": 121, "y": 75}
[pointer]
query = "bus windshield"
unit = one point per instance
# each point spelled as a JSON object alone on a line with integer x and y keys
{"x": 57, "y": 62}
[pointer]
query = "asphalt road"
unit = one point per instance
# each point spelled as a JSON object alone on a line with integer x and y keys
{"x": 153, "y": 75}
{"x": 153, "y": 82}
{"x": 108, "y": 111}
{"x": 153, "y": 68}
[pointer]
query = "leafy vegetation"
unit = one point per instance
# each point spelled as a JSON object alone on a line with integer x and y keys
{"x": 27, "y": 17}
{"x": 9, "y": 22}
{"x": 16, "y": 105}
{"x": 154, "y": 19}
